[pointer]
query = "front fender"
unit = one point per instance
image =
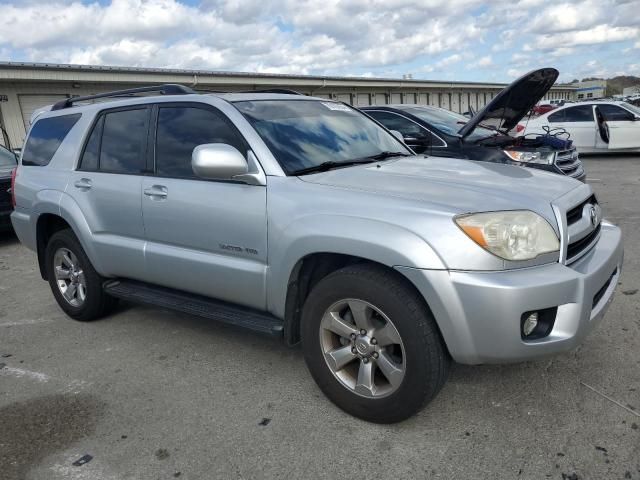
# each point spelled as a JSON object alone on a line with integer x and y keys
{"x": 374, "y": 240}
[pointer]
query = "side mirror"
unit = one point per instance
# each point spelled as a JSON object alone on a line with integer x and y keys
{"x": 218, "y": 161}
{"x": 397, "y": 134}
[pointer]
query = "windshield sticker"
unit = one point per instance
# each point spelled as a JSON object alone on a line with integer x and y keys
{"x": 336, "y": 106}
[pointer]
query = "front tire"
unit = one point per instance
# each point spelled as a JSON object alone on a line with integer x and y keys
{"x": 372, "y": 344}
{"x": 75, "y": 284}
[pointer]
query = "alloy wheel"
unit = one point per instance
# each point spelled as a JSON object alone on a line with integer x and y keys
{"x": 362, "y": 348}
{"x": 70, "y": 277}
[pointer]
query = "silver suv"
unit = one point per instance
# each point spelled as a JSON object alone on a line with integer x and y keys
{"x": 304, "y": 218}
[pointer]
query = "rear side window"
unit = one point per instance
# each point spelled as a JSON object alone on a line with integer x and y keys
{"x": 557, "y": 117}
{"x": 118, "y": 142}
{"x": 7, "y": 158}
{"x": 45, "y": 138}
{"x": 92, "y": 150}
{"x": 613, "y": 113}
{"x": 181, "y": 129}
{"x": 581, "y": 113}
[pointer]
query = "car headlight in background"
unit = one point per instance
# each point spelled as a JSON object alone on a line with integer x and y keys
{"x": 543, "y": 158}
{"x": 512, "y": 235}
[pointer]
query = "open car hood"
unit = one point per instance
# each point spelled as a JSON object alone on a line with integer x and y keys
{"x": 514, "y": 102}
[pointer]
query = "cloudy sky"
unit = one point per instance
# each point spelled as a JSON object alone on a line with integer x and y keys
{"x": 434, "y": 39}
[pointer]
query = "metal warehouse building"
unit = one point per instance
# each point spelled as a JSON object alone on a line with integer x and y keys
{"x": 24, "y": 87}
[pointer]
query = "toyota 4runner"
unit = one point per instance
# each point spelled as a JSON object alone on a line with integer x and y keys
{"x": 304, "y": 218}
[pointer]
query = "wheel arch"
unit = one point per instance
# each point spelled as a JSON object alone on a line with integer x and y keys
{"x": 67, "y": 214}
{"x": 47, "y": 225}
{"x": 312, "y": 268}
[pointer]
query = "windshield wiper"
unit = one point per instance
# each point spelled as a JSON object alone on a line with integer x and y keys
{"x": 329, "y": 165}
{"x": 384, "y": 155}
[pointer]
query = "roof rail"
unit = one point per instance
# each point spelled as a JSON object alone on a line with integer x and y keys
{"x": 166, "y": 89}
{"x": 272, "y": 90}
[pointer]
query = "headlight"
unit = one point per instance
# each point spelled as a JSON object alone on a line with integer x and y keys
{"x": 545, "y": 158}
{"x": 512, "y": 235}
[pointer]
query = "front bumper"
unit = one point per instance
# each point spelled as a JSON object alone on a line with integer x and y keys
{"x": 479, "y": 313}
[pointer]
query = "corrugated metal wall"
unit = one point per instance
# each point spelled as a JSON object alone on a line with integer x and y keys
{"x": 25, "y": 97}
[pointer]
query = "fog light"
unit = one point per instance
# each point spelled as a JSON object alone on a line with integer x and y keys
{"x": 530, "y": 324}
{"x": 537, "y": 324}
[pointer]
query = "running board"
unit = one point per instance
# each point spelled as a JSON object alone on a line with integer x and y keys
{"x": 195, "y": 305}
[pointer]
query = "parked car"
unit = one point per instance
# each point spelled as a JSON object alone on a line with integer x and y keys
{"x": 8, "y": 163}
{"x": 443, "y": 133}
{"x": 559, "y": 102}
{"x": 595, "y": 127}
{"x": 303, "y": 218}
{"x": 542, "y": 108}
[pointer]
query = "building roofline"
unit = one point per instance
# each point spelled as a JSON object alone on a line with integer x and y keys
{"x": 219, "y": 77}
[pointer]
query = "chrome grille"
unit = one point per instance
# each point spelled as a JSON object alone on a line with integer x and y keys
{"x": 568, "y": 162}
{"x": 575, "y": 214}
{"x": 583, "y": 228}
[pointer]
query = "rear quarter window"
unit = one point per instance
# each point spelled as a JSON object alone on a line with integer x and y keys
{"x": 45, "y": 138}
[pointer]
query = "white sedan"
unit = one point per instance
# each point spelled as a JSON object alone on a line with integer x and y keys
{"x": 594, "y": 127}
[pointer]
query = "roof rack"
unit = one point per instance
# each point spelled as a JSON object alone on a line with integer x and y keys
{"x": 272, "y": 90}
{"x": 166, "y": 89}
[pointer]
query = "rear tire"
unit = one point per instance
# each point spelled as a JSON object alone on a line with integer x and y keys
{"x": 404, "y": 368}
{"x": 75, "y": 284}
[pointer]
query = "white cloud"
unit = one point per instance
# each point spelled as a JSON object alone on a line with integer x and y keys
{"x": 592, "y": 36}
{"x": 563, "y": 17}
{"x": 444, "y": 38}
{"x": 482, "y": 62}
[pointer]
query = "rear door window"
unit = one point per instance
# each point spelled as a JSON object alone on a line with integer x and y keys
{"x": 124, "y": 141}
{"x": 181, "y": 129}
{"x": 581, "y": 113}
{"x": 45, "y": 138}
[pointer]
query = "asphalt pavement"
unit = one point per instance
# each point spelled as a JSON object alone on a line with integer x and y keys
{"x": 150, "y": 394}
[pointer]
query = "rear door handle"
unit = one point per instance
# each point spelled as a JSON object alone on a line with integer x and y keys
{"x": 158, "y": 191}
{"x": 83, "y": 184}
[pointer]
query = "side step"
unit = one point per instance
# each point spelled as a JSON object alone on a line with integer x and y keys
{"x": 195, "y": 305}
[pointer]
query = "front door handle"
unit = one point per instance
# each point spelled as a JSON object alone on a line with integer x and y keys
{"x": 83, "y": 184}
{"x": 158, "y": 191}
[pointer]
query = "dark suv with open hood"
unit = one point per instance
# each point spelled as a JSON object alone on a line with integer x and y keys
{"x": 8, "y": 162}
{"x": 485, "y": 136}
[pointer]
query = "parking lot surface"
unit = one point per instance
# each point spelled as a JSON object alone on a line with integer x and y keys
{"x": 152, "y": 394}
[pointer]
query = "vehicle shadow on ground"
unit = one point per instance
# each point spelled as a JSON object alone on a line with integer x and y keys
{"x": 8, "y": 238}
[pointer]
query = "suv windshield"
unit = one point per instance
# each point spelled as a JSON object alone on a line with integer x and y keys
{"x": 448, "y": 122}
{"x": 303, "y": 134}
{"x": 7, "y": 158}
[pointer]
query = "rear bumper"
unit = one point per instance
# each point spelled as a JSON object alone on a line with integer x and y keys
{"x": 25, "y": 231}
{"x": 479, "y": 313}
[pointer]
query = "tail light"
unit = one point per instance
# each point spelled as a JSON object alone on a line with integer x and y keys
{"x": 14, "y": 174}
{"x": 519, "y": 128}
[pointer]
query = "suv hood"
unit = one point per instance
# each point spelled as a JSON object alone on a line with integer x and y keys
{"x": 514, "y": 102}
{"x": 449, "y": 185}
